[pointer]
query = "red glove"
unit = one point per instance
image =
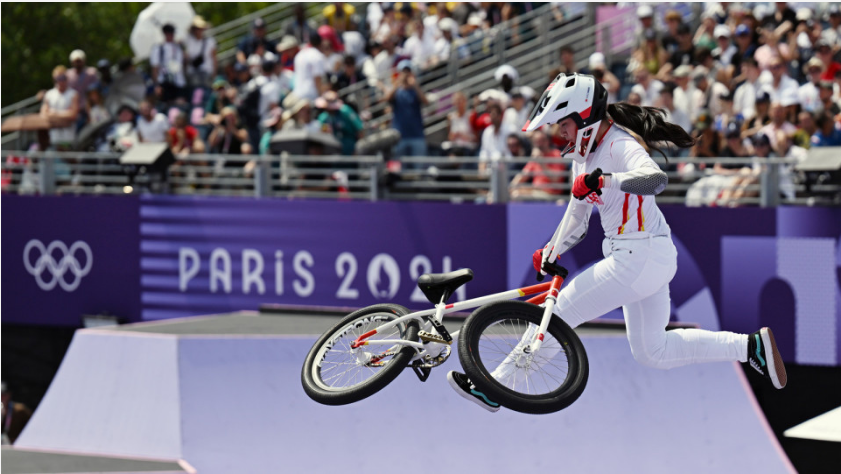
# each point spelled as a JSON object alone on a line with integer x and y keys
{"x": 537, "y": 258}
{"x": 585, "y": 184}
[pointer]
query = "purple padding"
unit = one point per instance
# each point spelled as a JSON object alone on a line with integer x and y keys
{"x": 115, "y": 393}
{"x": 241, "y": 408}
{"x": 244, "y": 411}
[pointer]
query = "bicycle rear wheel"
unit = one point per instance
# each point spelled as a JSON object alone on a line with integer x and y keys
{"x": 493, "y": 354}
{"x": 333, "y": 374}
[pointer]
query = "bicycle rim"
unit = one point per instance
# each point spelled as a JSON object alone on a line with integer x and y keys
{"x": 339, "y": 368}
{"x": 503, "y": 352}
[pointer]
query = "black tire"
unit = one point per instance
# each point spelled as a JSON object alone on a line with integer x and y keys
{"x": 352, "y": 326}
{"x": 563, "y": 339}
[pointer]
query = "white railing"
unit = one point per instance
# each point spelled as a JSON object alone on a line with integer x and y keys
{"x": 453, "y": 179}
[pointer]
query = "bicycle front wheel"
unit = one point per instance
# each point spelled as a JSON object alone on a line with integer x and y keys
{"x": 493, "y": 349}
{"x": 335, "y": 374}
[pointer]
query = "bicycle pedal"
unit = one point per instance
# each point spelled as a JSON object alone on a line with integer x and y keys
{"x": 429, "y": 337}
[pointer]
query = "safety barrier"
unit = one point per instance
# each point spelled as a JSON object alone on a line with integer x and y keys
{"x": 452, "y": 179}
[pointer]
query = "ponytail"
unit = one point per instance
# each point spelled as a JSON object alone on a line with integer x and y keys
{"x": 650, "y": 125}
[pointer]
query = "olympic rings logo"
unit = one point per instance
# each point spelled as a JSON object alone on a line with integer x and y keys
{"x": 45, "y": 263}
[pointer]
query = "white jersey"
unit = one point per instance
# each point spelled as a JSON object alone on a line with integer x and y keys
{"x": 622, "y": 213}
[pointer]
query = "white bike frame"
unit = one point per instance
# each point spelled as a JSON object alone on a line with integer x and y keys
{"x": 424, "y": 348}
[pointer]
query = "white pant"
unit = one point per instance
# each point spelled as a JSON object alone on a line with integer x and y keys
{"x": 635, "y": 274}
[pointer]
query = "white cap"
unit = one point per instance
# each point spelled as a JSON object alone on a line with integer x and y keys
{"x": 448, "y": 24}
{"x": 804, "y": 14}
{"x": 596, "y": 60}
{"x": 77, "y": 54}
{"x": 645, "y": 11}
{"x": 506, "y": 70}
{"x": 638, "y": 89}
{"x": 721, "y": 30}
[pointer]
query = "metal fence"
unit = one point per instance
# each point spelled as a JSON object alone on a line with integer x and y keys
{"x": 451, "y": 179}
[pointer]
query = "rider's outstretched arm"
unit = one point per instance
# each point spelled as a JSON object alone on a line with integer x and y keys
{"x": 572, "y": 229}
{"x": 645, "y": 180}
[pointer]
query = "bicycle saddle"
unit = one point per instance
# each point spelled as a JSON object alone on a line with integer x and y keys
{"x": 438, "y": 286}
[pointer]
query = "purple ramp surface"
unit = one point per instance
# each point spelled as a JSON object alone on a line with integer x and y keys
{"x": 242, "y": 409}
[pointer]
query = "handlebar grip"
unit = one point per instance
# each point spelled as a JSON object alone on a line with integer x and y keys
{"x": 596, "y": 173}
{"x": 539, "y": 276}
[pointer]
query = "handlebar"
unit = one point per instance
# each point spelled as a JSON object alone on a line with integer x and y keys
{"x": 553, "y": 269}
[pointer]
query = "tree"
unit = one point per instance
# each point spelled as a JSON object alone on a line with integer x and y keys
{"x": 36, "y": 37}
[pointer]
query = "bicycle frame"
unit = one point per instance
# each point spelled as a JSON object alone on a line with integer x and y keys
{"x": 548, "y": 292}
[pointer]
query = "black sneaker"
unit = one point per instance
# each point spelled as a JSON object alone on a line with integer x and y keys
{"x": 765, "y": 358}
{"x": 466, "y": 390}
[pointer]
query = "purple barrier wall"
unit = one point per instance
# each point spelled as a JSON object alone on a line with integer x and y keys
{"x": 65, "y": 257}
{"x": 203, "y": 256}
{"x": 738, "y": 269}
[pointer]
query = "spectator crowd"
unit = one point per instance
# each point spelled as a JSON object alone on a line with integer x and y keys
{"x": 750, "y": 80}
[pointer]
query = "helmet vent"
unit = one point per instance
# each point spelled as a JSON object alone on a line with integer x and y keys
{"x": 570, "y": 82}
{"x": 562, "y": 105}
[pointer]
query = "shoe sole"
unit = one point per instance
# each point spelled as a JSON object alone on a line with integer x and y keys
{"x": 468, "y": 396}
{"x": 776, "y": 367}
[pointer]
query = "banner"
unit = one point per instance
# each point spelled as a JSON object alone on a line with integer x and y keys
{"x": 211, "y": 255}
{"x": 64, "y": 257}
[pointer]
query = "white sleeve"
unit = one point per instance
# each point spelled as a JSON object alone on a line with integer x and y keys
{"x": 572, "y": 229}
{"x": 643, "y": 176}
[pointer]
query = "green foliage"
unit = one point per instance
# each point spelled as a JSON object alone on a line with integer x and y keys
{"x": 36, "y": 37}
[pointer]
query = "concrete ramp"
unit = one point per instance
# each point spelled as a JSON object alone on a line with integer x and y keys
{"x": 233, "y": 403}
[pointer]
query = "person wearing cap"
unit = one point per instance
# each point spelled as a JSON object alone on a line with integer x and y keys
{"x": 287, "y": 49}
{"x": 201, "y": 54}
{"x": 673, "y": 21}
{"x": 339, "y": 119}
{"x": 256, "y": 43}
{"x": 299, "y": 27}
{"x": 168, "y": 64}
{"x": 152, "y": 126}
{"x": 684, "y": 52}
{"x": 745, "y": 47}
{"x": 407, "y": 98}
{"x": 683, "y": 92}
{"x": 762, "y": 116}
{"x": 122, "y": 135}
{"x": 80, "y": 78}
{"x": 808, "y": 93}
{"x": 449, "y": 41}
{"x": 310, "y": 69}
{"x": 824, "y": 52}
{"x": 724, "y": 49}
{"x": 61, "y": 106}
{"x": 645, "y": 15}
{"x": 744, "y": 97}
{"x": 776, "y": 79}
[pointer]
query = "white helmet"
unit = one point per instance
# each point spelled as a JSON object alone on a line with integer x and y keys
{"x": 579, "y": 97}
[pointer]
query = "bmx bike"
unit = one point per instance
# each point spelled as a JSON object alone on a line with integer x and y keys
{"x": 516, "y": 352}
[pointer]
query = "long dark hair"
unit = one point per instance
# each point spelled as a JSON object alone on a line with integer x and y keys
{"x": 650, "y": 124}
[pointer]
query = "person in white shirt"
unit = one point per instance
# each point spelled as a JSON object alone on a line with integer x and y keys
{"x": 152, "y": 125}
{"x": 744, "y": 98}
{"x": 494, "y": 143}
{"x": 168, "y": 62}
{"x": 726, "y": 49}
{"x": 201, "y": 54}
{"x": 310, "y": 68}
{"x": 776, "y": 80}
{"x": 614, "y": 172}
{"x": 682, "y": 94}
{"x": 420, "y": 46}
{"x": 673, "y": 114}
{"x": 61, "y": 106}
{"x": 517, "y": 113}
{"x": 809, "y": 93}
{"x": 650, "y": 86}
